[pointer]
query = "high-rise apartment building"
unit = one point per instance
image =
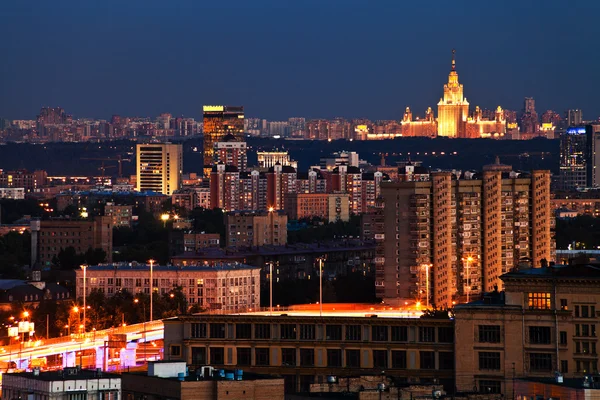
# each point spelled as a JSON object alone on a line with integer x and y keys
{"x": 529, "y": 121}
{"x": 220, "y": 121}
{"x": 450, "y": 238}
{"x": 159, "y": 167}
{"x": 230, "y": 151}
{"x": 574, "y": 117}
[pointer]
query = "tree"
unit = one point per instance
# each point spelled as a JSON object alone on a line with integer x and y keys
{"x": 95, "y": 256}
{"x": 69, "y": 259}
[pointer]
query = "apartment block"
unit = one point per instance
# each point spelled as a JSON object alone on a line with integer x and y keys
{"x": 225, "y": 286}
{"x": 121, "y": 215}
{"x": 250, "y": 228}
{"x": 449, "y": 239}
{"x": 331, "y": 207}
{"x": 58, "y": 234}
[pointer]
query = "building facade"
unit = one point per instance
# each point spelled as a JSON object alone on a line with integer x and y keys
{"x": 220, "y": 121}
{"x": 58, "y": 234}
{"x": 224, "y": 286}
{"x": 159, "y": 167}
{"x": 447, "y": 239}
{"x": 121, "y": 215}
{"x": 305, "y": 348}
{"x": 230, "y": 151}
{"x": 251, "y": 229}
{"x": 69, "y": 383}
{"x": 544, "y": 323}
{"x": 331, "y": 207}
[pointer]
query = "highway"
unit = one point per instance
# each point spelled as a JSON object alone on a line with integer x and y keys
{"x": 79, "y": 342}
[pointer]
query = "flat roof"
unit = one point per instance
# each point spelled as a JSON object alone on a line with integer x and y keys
{"x": 573, "y": 383}
{"x": 145, "y": 267}
{"x": 339, "y": 310}
{"x": 63, "y": 375}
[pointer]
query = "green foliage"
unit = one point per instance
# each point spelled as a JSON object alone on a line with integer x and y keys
{"x": 68, "y": 258}
{"x": 318, "y": 230}
{"x": 353, "y": 288}
{"x": 584, "y": 231}
{"x": 149, "y": 239}
{"x": 14, "y": 254}
{"x": 437, "y": 313}
{"x": 12, "y": 210}
{"x": 210, "y": 221}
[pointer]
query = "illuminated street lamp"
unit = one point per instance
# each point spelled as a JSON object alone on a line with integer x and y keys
{"x": 426, "y": 266}
{"x": 84, "y": 268}
{"x": 164, "y": 218}
{"x": 151, "y": 262}
{"x": 469, "y": 260}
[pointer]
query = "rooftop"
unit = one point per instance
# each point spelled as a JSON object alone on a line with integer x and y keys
{"x": 66, "y": 374}
{"x": 592, "y": 382}
{"x": 582, "y": 271}
{"x": 145, "y": 267}
{"x": 351, "y": 310}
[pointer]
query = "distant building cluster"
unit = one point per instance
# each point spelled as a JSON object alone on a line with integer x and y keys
{"x": 454, "y": 119}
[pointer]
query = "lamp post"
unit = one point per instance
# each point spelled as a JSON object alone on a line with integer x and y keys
{"x": 270, "y": 287}
{"x": 427, "y": 283}
{"x": 164, "y": 218}
{"x": 320, "y": 259}
{"x": 468, "y": 279}
{"x": 143, "y": 326}
{"x": 151, "y": 261}
{"x": 84, "y": 267}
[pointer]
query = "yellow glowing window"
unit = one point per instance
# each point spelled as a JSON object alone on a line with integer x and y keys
{"x": 539, "y": 301}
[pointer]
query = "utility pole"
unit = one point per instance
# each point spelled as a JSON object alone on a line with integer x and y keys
{"x": 270, "y": 287}
{"x": 84, "y": 267}
{"x": 320, "y": 286}
{"x": 151, "y": 261}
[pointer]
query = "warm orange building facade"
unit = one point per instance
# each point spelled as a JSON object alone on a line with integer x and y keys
{"x": 329, "y": 206}
{"x": 545, "y": 322}
{"x": 448, "y": 240}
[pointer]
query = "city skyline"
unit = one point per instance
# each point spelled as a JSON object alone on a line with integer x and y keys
{"x": 288, "y": 55}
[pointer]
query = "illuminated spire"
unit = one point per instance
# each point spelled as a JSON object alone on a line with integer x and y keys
{"x": 453, "y": 60}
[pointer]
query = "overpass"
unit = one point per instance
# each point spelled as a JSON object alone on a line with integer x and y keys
{"x": 23, "y": 352}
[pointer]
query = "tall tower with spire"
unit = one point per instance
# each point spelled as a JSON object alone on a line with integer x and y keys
{"x": 453, "y": 108}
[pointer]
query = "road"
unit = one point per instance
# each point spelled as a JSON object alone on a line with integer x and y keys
{"x": 92, "y": 340}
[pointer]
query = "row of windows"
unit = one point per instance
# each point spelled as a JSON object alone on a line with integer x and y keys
{"x": 378, "y": 333}
{"x": 292, "y": 357}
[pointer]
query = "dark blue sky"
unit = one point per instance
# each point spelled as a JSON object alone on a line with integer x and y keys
{"x": 313, "y": 58}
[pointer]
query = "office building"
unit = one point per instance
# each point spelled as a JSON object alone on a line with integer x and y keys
{"x": 69, "y": 383}
{"x": 529, "y": 121}
{"x": 219, "y": 121}
{"x": 225, "y": 286}
{"x": 173, "y": 380}
{"x": 57, "y": 234}
{"x": 252, "y": 228}
{"x": 452, "y": 237}
{"x": 331, "y": 207}
{"x": 544, "y": 323}
{"x": 580, "y": 157}
{"x": 305, "y": 345}
{"x": 159, "y": 167}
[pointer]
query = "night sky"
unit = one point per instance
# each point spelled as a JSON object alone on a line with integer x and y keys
{"x": 311, "y": 58}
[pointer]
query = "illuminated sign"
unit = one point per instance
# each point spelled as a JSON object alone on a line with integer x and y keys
{"x": 212, "y": 108}
{"x": 576, "y": 131}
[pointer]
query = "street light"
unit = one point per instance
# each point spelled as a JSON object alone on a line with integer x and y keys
{"x": 320, "y": 259}
{"x": 136, "y": 301}
{"x": 270, "y": 287}
{"x": 84, "y": 268}
{"x": 164, "y": 218}
{"x": 469, "y": 260}
{"x": 151, "y": 261}
{"x": 427, "y": 283}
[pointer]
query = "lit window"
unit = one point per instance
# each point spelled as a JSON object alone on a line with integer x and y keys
{"x": 540, "y": 301}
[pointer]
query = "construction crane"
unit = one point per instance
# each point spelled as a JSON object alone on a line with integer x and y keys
{"x": 118, "y": 159}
